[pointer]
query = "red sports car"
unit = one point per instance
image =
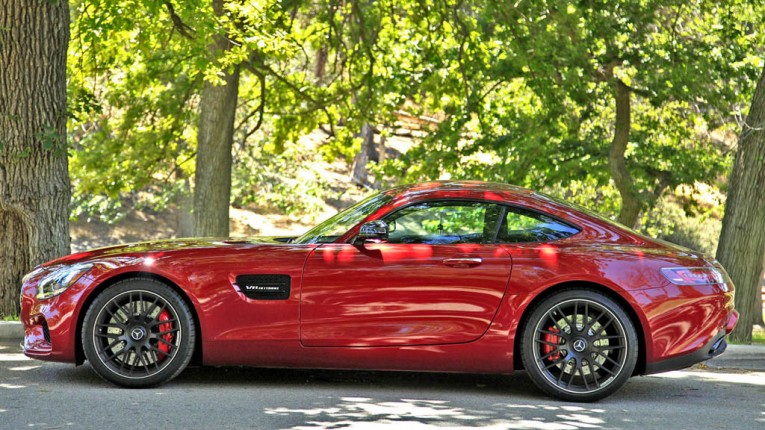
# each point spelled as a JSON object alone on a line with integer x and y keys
{"x": 440, "y": 276}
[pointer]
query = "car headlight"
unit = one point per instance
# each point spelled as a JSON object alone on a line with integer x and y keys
{"x": 57, "y": 281}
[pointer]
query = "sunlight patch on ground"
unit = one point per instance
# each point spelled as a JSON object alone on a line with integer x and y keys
{"x": 750, "y": 378}
{"x": 14, "y": 357}
{"x": 24, "y": 368}
{"x": 368, "y": 414}
{"x": 12, "y": 386}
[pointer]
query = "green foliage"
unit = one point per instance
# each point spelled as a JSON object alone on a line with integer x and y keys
{"x": 695, "y": 230}
{"x": 518, "y": 92}
{"x": 526, "y": 92}
{"x": 280, "y": 180}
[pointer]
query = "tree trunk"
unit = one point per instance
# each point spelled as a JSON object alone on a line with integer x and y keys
{"x": 366, "y": 154}
{"x": 185, "y": 202}
{"x": 631, "y": 206}
{"x": 215, "y": 138}
{"x": 320, "y": 67}
{"x": 381, "y": 156}
{"x": 742, "y": 239}
{"x": 34, "y": 176}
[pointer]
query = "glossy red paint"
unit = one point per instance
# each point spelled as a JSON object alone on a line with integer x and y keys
{"x": 401, "y": 294}
{"x": 395, "y": 306}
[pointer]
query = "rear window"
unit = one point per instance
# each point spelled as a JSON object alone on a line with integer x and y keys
{"x": 520, "y": 225}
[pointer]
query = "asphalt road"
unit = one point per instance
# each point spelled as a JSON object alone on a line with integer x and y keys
{"x": 41, "y": 395}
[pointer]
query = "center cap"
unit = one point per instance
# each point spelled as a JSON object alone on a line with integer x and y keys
{"x": 137, "y": 333}
{"x": 580, "y": 345}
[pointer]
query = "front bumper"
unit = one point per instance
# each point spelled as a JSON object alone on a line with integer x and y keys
{"x": 50, "y": 324}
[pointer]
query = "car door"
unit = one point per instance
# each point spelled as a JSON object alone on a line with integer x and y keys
{"x": 438, "y": 279}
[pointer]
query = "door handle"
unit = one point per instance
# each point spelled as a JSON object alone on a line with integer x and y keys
{"x": 463, "y": 261}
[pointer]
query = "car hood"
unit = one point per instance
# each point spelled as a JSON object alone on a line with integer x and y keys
{"x": 167, "y": 245}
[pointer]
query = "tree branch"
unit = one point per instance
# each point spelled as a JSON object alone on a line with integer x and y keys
{"x": 178, "y": 23}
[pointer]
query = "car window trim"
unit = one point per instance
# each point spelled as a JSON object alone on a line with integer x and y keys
{"x": 507, "y": 207}
{"x": 538, "y": 212}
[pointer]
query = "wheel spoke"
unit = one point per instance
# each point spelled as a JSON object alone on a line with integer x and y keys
{"x": 577, "y": 366}
{"x": 135, "y": 361}
{"x": 584, "y": 377}
{"x": 563, "y": 371}
{"x": 117, "y": 311}
{"x": 576, "y": 310}
{"x": 595, "y": 320}
{"x": 555, "y": 363}
{"x": 565, "y": 318}
{"x": 597, "y": 338}
{"x": 609, "y": 359}
{"x": 603, "y": 327}
{"x": 544, "y": 342}
{"x": 162, "y": 333}
{"x": 123, "y": 359}
{"x": 140, "y": 304}
{"x": 166, "y": 342}
{"x": 550, "y": 354}
{"x": 109, "y": 346}
{"x": 109, "y": 335}
{"x": 157, "y": 350}
{"x": 611, "y": 347}
{"x": 593, "y": 373}
{"x": 151, "y": 308}
{"x": 167, "y": 321}
{"x": 119, "y": 326}
{"x": 143, "y": 362}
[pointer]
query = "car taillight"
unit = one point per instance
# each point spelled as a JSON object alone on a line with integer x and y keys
{"x": 693, "y": 275}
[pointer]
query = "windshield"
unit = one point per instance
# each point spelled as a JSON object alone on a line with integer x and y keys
{"x": 331, "y": 229}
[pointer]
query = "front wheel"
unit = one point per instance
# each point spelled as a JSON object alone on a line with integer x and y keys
{"x": 138, "y": 333}
{"x": 579, "y": 345}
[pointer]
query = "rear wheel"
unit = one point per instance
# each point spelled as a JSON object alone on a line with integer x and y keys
{"x": 579, "y": 345}
{"x": 138, "y": 333}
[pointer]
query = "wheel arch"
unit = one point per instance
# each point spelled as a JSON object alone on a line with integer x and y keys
{"x": 610, "y": 293}
{"x": 196, "y": 357}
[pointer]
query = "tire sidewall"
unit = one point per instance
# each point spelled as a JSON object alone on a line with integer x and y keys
{"x": 185, "y": 321}
{"x": 528, "y": 345}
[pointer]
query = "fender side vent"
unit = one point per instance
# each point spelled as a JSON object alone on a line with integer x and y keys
{"x": 264, "y": 287}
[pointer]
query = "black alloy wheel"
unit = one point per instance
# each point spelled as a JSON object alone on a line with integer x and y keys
{"x": 138, "y": 333}
{"x": 579, "y": 345}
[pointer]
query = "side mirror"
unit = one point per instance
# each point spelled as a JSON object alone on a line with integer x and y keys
{"x": 373, "y": 230}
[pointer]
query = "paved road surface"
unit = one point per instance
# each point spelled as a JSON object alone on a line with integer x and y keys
{"x": 41, "y": 395}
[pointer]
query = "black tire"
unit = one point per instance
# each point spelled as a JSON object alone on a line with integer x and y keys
{"x": 138, "y": 333}
{"x": 579, "y": 345}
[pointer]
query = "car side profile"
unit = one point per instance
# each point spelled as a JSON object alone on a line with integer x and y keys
{"x": 449, "y": 276}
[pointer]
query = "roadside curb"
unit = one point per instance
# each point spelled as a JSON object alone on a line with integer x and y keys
{"x": 11, "y": 330}
{"x": 750, "y": 357}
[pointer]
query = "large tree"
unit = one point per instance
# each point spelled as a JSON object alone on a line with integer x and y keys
{"x": 742, "y": 240}
{"x": 613, "y": 94}
{"x": 34, "y": 179}
{"x": 215, "y": 138}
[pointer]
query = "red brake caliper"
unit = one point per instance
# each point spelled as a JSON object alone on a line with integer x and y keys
{"x": 164, "y": 347}
{"x": 551, "y": 338}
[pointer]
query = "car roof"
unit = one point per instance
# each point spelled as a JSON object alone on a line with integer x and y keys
{"x": 450, "y": 185}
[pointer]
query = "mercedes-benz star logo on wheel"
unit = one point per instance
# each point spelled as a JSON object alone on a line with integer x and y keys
{"x": 139, "y": 332}
{"x": 580, "y": 345}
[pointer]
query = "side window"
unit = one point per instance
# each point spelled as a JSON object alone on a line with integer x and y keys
{"x": 442, "y": 223}
{"x": 520, "y": 225}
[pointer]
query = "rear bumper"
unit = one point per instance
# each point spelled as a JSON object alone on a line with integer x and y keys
{"x": 716, "y": 346}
